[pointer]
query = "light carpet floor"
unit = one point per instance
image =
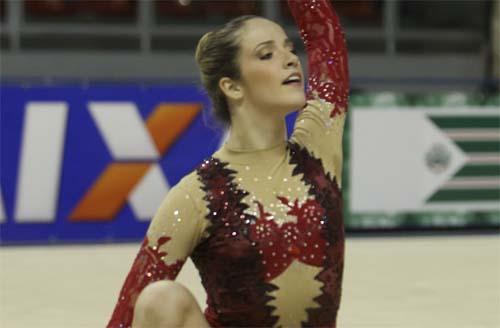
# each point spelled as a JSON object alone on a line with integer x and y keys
{"x": 403, "y": 282}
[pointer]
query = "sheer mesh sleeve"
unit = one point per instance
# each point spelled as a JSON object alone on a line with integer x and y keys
{"x": 172, "y": 235}
{"x": 320, "y": 124}
{"x": 325, "y": 44}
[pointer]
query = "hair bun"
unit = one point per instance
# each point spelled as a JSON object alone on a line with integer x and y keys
{"x": 202, "y": 45}
{"x": 217, "y": 57}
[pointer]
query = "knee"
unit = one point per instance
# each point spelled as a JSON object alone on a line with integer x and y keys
{"x": 163, "y": 303}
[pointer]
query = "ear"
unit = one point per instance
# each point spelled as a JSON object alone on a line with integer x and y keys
{"x": 231, "y": 88}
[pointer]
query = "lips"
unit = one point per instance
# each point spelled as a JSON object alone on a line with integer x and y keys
{"x": 293, "y": 78}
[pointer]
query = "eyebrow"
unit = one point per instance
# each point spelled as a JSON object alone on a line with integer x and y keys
{"x": 287, "y": 42}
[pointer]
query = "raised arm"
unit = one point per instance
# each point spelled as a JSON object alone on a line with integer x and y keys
{"x": 319, "y": 127}
{"x": 325, "y": 44}
{"x": 170, "y": 239}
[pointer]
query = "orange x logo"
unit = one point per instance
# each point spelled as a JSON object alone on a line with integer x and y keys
{"x": 111, "y": 189}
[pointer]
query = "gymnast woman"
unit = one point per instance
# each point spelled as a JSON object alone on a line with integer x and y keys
{"x": 261, "y": 218}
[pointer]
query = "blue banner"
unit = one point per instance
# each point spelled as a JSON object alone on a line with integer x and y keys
{"x": 92, "y": 164}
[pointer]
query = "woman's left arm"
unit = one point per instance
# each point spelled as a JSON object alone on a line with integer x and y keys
{"x": 325, "y": 44}
{"x": 319, "y": 125}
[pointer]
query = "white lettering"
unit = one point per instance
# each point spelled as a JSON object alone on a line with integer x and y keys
{"x": 42, "y": 150}
{"x": 148, "y": 194}
{"x": 123, "y": 130}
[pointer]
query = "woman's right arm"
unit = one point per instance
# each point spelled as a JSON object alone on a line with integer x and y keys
{"x": 319, "y": 127}
{"x": 171, "y": 237}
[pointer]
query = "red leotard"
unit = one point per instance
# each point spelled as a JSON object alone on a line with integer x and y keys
{"x": 264, "y": 228}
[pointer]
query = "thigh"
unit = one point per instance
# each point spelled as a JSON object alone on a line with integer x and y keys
{"x": 195, "y": 317}
{"x": 167, "y": 304}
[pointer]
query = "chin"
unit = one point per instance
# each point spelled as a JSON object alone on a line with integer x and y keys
{"x": 291, "y": 107}
{"x": 297, "y": 102}
{"x": 289, "y": 102}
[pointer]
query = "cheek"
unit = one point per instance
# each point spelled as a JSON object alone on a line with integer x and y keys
{"x": 263, "y": 84}
{"x": 262, "y": 76}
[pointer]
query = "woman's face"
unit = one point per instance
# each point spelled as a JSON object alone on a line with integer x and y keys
{"x": 271, "y": 74}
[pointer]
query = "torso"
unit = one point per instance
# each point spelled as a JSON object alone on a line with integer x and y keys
{"x": 274, "y": 244}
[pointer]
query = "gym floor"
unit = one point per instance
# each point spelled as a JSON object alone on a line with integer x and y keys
{"x": 437, "y": 280}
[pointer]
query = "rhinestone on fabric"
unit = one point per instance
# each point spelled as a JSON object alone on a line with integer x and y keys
{"x": 254, "y": 245}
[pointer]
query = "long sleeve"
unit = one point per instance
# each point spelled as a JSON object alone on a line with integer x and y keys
{"x": 325, "y": 44}
{"x": 171, "y": 237}
{"x": 319, "y": 125}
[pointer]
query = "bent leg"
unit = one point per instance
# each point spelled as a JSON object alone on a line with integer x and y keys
{"x": 165, "y": 304}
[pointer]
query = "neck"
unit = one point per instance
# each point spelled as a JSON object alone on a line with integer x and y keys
{"x": 254, "y": 130}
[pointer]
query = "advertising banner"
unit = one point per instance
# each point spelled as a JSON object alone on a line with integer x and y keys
{"x": 425, "y": 159}
{"x": 93, "y": 163}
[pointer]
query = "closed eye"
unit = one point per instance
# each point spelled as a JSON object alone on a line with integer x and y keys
{"x": 267, "y": 56}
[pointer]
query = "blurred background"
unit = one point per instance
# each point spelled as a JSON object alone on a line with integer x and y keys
{"x": 394, "y": 45}
{"x": 102, "y": 112}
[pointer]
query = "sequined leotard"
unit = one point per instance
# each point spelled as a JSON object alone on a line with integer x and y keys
{"x": 264, "y": 228}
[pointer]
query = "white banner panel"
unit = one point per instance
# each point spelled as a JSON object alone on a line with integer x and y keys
{"x": 418, "y": 159}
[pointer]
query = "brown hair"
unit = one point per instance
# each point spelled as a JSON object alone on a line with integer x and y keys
{"x": 217, "y": 57}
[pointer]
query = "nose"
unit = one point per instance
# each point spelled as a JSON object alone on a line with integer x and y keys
{"x": 292, "y": 60}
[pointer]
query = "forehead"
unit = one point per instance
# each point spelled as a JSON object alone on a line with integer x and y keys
{"x": 258, "y": 30}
